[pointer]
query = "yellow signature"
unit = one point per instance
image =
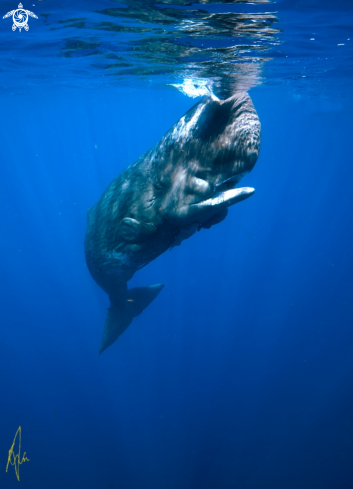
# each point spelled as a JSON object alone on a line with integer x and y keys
{"x": 15, "y": 459}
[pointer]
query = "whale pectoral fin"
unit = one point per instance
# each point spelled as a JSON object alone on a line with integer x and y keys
{"x": 130, "y": 229}
{"x": 121, "y": 312}
{"x": 141, "y": 297}
{"x": 133, "y": 230}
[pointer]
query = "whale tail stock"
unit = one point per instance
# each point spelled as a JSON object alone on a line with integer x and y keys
{"x": 123, "y": 310}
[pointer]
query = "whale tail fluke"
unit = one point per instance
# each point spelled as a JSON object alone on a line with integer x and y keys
{"x": 122, "y": 311}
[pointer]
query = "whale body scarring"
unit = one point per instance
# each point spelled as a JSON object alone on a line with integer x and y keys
{"x": 183, "y": 184}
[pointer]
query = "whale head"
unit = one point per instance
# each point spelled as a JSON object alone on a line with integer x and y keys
{"x": 199, "y": 162}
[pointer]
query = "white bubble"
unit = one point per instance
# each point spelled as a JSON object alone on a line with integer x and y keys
{"x": 193, "y": 87}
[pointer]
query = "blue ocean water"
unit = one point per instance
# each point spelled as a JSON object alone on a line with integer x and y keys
{"x": 239, "y": 375}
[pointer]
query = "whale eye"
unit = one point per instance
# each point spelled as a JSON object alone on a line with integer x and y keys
{"x": 160, "y": 182}
{"x": 158, "y": 185}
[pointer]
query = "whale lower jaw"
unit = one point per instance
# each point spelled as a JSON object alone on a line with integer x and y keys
{"x": 221, "y": 200}
{"x": 211, "y": 211}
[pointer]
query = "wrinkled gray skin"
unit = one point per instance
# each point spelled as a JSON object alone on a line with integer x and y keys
{"x": 183, "y": 184}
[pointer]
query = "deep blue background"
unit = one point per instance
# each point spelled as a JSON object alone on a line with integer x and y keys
{"x": 240, "y": 373}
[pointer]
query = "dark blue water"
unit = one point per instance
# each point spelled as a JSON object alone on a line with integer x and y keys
{"x": 239, "y": 375}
